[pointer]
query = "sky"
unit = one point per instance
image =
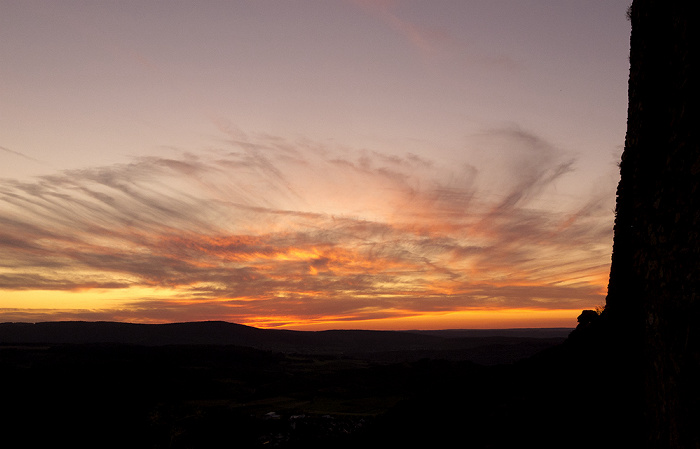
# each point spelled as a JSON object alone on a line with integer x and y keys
{"x": 308, "y": 164}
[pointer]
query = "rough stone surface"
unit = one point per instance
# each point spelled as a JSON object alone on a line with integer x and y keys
{"x": 655, "y": 273}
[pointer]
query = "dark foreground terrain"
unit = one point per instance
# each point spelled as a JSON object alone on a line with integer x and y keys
{"x": 338, "y": 389}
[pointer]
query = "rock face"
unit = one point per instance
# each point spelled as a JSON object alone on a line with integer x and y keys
{"x": 654, "y": 290}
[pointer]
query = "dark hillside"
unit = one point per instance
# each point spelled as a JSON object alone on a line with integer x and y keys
{"x": 203, "y": 396}
{"x": 485, "y": 347}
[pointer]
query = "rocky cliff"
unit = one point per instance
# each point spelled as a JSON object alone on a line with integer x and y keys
{"x": 653, "y": 295}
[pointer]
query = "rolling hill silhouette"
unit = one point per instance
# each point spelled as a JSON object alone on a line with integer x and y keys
{"x": 480, "y": 346}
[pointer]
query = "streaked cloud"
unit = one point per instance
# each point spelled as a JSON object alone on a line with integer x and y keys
{"x": 430, "y": 40}
{"x": 269, "y": 231}
{"x": 424, "y": 38}
{"x": 19, "y": 154}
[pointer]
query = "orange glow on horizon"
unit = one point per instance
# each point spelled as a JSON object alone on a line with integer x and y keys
{"x": 467, "y": 319}
{"x": 52, "y": 306}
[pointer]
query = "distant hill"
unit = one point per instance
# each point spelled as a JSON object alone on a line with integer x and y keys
{"x": 481, "y": 346}
{"x": 548, "y": 332}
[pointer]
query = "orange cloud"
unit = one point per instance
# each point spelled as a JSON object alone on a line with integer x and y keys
{"x": 406, "y": 237}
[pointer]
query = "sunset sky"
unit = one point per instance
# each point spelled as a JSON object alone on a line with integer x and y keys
{"x": 310, "y": 164}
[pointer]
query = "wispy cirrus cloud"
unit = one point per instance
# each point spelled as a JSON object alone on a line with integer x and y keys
{"x": 19, "y": 154}
{"x": 424, "y": 38}
{"x": 266, "y": 230}
{"x": 430, "y": 41}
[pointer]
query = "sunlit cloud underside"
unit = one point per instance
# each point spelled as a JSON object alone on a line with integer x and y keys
{"x": 276, "y": 233}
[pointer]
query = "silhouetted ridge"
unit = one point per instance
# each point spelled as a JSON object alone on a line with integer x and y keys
{"x": 487, "y": 347}
{"x": 77, "y": 332}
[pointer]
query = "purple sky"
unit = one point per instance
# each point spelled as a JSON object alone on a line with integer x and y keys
{"x": 310, "y": 164}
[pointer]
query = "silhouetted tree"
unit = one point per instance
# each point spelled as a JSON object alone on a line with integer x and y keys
{"x": 586, "y": 318}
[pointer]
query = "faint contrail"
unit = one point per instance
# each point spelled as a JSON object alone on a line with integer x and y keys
{"x": 20, "y": 154}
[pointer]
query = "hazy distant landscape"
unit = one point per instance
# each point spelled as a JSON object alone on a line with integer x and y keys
{"x": 216, "y": 384}
{"x": 488, "y": 346}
